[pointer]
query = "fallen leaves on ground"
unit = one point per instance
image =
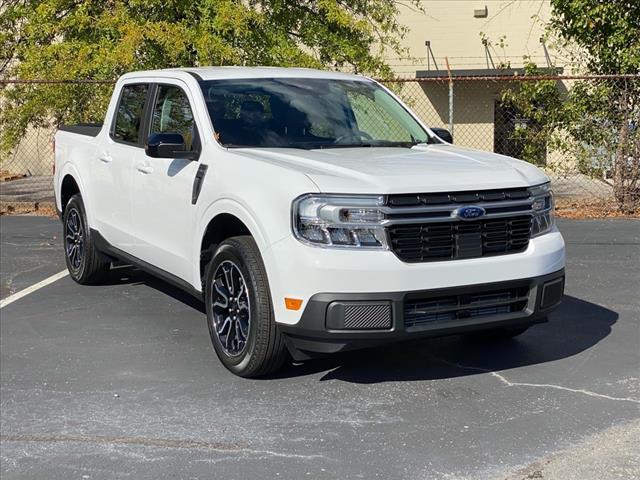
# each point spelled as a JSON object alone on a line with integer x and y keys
{"x": 6, "y": 176}
{"x": 590, "y": 209}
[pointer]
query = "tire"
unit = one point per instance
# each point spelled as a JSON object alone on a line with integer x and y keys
{"x": 239, "y": 310}
{"x": 85, "y": 263}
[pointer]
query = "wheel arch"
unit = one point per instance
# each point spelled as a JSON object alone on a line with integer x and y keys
{"x": 68, "y": 188}
{"x": 224, "y": 219}
{"x": 74, "y": 183}
{"x": 221, "y": 227}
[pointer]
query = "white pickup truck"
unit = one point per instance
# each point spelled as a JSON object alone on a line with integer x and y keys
{"x": 312, "y": 211}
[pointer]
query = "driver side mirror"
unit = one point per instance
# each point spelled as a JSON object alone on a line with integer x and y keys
{"x": 444, "y": 134}
{"x": 168, "y": 145}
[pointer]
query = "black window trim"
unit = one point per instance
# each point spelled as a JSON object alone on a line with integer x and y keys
{"x": 148, "y": 114}
{"x": 140, "y": 142}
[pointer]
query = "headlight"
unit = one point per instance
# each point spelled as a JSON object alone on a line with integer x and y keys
{"x": 340, "y": 221}
{"x": 543, "y": 217}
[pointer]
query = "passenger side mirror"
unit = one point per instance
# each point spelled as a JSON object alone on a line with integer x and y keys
{"x": 168, "y": 145}
{"x": 444, "y": 134}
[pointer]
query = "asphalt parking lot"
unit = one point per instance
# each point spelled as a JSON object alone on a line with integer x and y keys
{"x": 120, "y": 381}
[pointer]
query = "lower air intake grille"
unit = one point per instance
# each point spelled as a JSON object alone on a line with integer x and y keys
{"x": 458, "y": 240}
{"x": 419, "y": 312}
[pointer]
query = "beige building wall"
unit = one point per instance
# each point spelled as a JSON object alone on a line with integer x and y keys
{"x": 454, "y": 33}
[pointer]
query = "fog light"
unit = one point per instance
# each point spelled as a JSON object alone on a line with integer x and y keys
{"x": 552, "y": 293}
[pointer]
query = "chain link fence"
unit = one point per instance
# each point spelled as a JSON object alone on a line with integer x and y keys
{"x": 582, "y": 130}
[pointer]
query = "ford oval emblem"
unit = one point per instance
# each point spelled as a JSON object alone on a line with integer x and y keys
{"x": 470, "y": 212}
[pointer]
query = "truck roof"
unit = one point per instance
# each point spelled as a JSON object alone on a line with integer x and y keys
{"x": 222, "y": 73}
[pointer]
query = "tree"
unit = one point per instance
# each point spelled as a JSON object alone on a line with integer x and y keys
{"x": 603, "y": 117}
{"x": 541, "y": 104}
{"x": 101, "y": 39}
{"x": 598, "y": 120}
{"x": 605, "y": 33}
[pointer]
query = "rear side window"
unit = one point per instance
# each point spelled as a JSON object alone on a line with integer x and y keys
{"x": 129, "y": 114}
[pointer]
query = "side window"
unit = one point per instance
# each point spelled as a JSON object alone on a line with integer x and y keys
{"x": 129, "y": 113}
{"x": 172, "y": 114}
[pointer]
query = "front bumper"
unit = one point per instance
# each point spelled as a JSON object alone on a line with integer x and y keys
{"x": 299, "y": 271}
{"x": 333, "y": 322}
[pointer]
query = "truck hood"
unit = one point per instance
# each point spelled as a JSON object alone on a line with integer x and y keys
{"x": 380, "y": 170}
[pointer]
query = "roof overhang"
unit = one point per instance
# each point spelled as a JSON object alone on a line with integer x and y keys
{"x": 484, "y": 72}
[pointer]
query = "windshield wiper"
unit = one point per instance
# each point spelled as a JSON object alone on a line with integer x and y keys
{"x": 346, "y": 145}
{"x": 293, "y": 147}
{"x": 322, "y": 145}
{"x": 394, "y": 144}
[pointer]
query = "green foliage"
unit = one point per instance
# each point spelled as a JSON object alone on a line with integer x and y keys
{"x": 502, "y": 44}
{"x": 542, "y": 105}
{"x": 597, "y": 122}
{"x": 607, "y": 33}
{"x": 605, "y": 115}
{"x": 102, "y": 39}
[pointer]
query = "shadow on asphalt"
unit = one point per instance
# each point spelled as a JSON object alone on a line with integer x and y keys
{"x": 575, "y": 326}
{"x": 127, "y": 275}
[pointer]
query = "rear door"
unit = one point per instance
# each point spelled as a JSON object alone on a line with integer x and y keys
{"x": 163, "y": 211}
{"x": 112, "y": 182}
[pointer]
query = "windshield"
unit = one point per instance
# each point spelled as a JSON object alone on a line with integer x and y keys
{"x": 308, "y": 113}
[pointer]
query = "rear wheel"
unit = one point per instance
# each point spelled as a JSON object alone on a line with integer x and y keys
{"x": 85, "y": 264}
{"x": 239, "y": 310}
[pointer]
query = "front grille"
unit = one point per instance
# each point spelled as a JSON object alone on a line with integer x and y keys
{"x": 404, "y": 200}
{"x": 421, "y": 312}
{"x": 457, "y": 239}
{"x": 425, "y": 227}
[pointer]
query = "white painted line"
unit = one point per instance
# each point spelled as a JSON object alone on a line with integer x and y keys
{"x": 33, "y": 288}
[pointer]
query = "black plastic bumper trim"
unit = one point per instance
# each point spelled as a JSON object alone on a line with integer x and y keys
{"x": 312, "y": 336}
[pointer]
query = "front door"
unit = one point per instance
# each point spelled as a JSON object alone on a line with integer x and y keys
{"x": 163, "y": 212}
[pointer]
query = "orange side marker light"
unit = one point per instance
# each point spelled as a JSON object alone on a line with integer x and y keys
{"x": 292, "y": 303}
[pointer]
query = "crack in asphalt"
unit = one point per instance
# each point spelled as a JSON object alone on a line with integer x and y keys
{"x": 124, "y": 440}
{"x": 604, "y": 244}
{"x": 568, "y": 389}
{"x": 12, "y": 277}
{"x": 509, "y": 383}
{"x": 149, "y": 442}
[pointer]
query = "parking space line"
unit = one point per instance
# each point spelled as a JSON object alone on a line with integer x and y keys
{"x": 33, "y": 288}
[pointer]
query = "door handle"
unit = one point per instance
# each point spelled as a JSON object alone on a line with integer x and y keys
{"x": 146, "y": 169}
{"x": 105, "y": 158}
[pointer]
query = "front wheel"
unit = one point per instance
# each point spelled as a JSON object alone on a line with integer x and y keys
{"x": 239, "y": 310}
